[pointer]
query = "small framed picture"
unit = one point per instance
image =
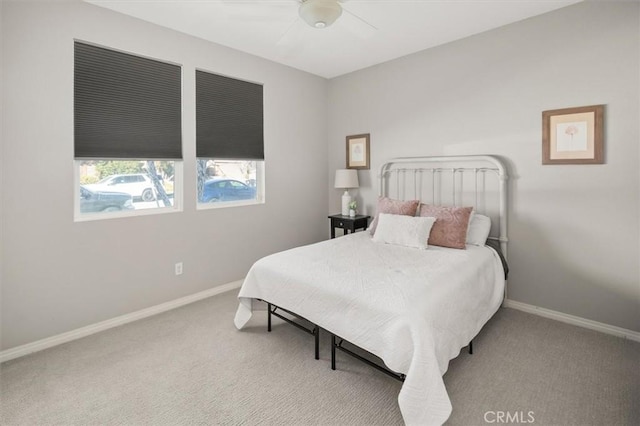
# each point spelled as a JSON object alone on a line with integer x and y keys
{"x": 573, "y": 135}
{"x": 358, "y": 151}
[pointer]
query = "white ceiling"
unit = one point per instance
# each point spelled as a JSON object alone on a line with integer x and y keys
{"x": 272, "y": 29}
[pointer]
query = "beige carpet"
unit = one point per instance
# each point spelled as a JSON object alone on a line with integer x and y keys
{"x": 191, "y": 366}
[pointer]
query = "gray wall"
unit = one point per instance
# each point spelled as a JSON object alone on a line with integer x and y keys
{"x": 58, "y": 275}
{"x": 574, "y": 229}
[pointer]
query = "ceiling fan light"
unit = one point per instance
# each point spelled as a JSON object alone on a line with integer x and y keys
{"x": 320, "y": 13}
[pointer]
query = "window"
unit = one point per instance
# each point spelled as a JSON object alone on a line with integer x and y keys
{"x": 229, "y": 182}
{"x": 109, "y": 186}
{"x": 229, "y": 141}
{"x": 127, "y": 133}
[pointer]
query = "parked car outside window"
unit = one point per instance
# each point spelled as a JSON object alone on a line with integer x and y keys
{"x": 98, "y": 201}
{"x": 138, "y": 185}
{"x": 225, "y": 189}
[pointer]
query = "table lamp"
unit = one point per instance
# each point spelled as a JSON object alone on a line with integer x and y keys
{"x": 346, "y": 179}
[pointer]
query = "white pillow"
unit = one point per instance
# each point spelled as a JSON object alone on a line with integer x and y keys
{"x": 478, "y": 231}
{"x": 402, "y": 230}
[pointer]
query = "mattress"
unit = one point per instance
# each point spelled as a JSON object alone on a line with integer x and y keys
{"x": 414, "y": 309}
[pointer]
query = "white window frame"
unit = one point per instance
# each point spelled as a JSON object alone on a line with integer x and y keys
{"x": 177, "y": 206}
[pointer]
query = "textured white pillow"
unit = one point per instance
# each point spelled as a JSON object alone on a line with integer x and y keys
{"x": 402, "y": 230}
{"x": 479, "y": 228}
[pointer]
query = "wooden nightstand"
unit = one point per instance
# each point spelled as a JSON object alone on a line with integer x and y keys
{"x": 348, "y": 223}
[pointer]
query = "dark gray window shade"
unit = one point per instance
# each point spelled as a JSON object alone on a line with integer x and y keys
{"x": 125, "y": 106}
{"x": 229, "y": 118}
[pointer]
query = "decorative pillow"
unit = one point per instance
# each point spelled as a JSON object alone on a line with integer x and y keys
{"x": 479, "y": 228}
{"x": 450, "y": 229}
{"x": 391, "y": 206}
{"x": 408, "y": 231}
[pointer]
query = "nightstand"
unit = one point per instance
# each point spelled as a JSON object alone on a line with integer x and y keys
{"x": 348, "y": 223}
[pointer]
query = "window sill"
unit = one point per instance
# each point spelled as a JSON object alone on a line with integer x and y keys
{"x": 225, "y": 204}
{"x": 88, "y": 217}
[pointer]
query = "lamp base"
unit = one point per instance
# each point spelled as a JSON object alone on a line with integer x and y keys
{"x": 346, "y": 199}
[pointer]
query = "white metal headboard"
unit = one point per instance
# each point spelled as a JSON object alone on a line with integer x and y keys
{"x": 471, "y": 180}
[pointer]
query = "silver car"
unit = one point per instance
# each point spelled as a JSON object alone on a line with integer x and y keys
{"x": 138, "y": 185}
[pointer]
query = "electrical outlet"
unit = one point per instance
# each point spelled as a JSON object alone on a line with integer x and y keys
{"x": 178, "y": 268}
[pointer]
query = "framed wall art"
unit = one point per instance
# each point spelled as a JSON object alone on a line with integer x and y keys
{"x": 358, "y": 152}
{"x": 573, "y": 135}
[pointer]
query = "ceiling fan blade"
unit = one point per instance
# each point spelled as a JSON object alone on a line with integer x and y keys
{"x": 356, "y": 25}
{"x": 292, "y": 41}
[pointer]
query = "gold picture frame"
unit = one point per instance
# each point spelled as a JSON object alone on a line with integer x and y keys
{"x": 573, "y": 135}
{"x": 358, "y": 155}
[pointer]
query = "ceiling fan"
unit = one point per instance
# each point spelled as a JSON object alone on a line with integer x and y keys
{"x": 320, "y": 14}
{"x": 317, "y": 14}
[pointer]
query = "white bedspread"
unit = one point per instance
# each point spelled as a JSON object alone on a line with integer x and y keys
{"x": 415, "y": 309}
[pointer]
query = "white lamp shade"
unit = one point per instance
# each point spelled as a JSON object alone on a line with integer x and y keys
{"x": 346, "y": 178}
{"x": 320, "y": 13}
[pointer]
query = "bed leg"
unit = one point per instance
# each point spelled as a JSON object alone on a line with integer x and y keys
{"x": 316, "y": 334}
{"x": 471, "y": 347}
{"x": 269, "y": 317}
{"x": 333, "y": 351}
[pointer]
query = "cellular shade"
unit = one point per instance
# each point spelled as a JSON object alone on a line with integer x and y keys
{"x": 229, "y": 118}
{"x": 125, "y": 106}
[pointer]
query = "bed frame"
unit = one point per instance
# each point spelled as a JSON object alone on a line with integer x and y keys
{"x": 451, "y": 180}
{"x": 471, "y": 180}
{"x": 314, "y": 330}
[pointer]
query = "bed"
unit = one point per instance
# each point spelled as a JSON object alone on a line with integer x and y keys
{"x": 414, "y": 309}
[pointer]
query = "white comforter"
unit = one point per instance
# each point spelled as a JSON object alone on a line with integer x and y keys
{"x": 415, "y": 309}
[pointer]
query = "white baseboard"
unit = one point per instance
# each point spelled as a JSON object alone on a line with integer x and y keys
{"x": 573, "y": 320}
{"x": 59, "y": 339}
{"x": 69, "y": 336}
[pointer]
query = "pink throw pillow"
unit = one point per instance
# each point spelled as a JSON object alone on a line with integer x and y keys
{"x": 391, "y": 206}
{"x": 450, "y": 229}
